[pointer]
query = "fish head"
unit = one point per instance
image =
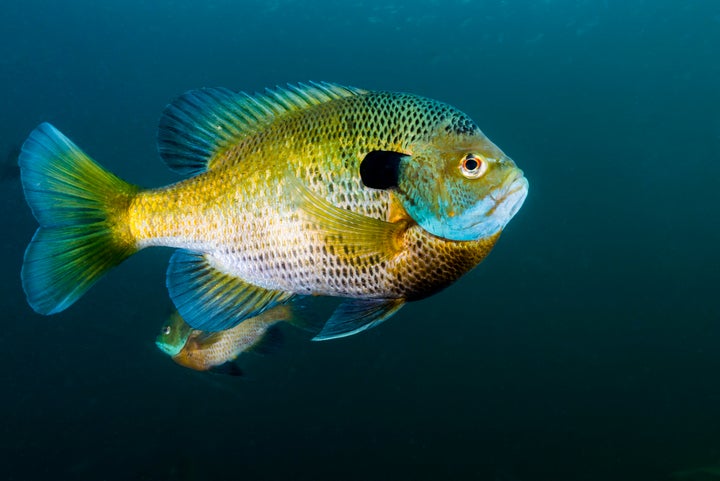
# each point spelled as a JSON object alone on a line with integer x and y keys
{"x": 173, "y": 335}
{"x": 458, "y": 185}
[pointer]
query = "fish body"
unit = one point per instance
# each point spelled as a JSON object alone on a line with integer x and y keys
{"x": 377, "y": 197}
{"x": 205, "y": 351}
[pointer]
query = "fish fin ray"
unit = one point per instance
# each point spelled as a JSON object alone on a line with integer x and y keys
{"x": 210, "y": 300}
{"x": 348, "y": 233}
{"x": 201, "y": 124}
{"x": 198, "y": 125}
{"x": 76, "y": 202}
{"x": 356, "y": 315}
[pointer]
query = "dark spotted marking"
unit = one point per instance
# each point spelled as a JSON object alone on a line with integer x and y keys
{"x": 379, "y": 169}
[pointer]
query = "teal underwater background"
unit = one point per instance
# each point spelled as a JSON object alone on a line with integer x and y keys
{"x": 586, "y": 346}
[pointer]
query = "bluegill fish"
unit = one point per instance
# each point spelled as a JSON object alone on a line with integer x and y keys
{"x": 376, "y": 197}
{"x": 217, "y": 351}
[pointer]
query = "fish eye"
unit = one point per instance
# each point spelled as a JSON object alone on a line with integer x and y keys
{"x": 166, "y": 330}
{"x": 473, "y": 166}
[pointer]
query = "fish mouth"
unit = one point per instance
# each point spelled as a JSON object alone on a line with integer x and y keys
{"x": 493, "y": 213}
{"x": 168, "y": 349}
{"x": 486, "y": 216}
{"x": 511, "y": 197}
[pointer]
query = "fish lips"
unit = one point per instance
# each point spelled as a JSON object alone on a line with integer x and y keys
{"x": 169, "y": 349}
{"x": 511, "y": 198}
{"x": 490, "y": 214}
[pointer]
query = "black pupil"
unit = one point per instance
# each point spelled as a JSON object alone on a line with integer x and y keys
{"x": 471, "y": 163}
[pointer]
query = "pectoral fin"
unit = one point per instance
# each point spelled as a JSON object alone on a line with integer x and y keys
{"x": 356, "y": 315}
{"x": 211, "y": 300}
{"x": 344, "y": 231}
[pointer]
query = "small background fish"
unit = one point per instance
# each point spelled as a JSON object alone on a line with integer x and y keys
{"x": 218, "y": 351}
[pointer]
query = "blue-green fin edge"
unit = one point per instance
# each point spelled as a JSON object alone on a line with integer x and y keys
{"x": 210, "y": 300}
{"x": 73, "y": 198}
{"x": 357, "y": 315}
{"x": 200, "y": 124}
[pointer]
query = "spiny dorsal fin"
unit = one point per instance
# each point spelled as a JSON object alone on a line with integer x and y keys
{"x": 203, "y": 123}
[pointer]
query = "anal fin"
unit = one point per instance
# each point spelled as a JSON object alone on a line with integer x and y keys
{"x": 211, "y": 300}
{"x": 356, "y": 315}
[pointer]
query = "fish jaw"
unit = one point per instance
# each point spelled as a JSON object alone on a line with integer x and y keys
{"x": 493, "y": 213}
{"x": 487, "y": 217}
{"x": 171, "y": 350}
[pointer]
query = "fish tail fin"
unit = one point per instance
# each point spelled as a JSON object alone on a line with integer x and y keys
{"x": 81, "y": 209}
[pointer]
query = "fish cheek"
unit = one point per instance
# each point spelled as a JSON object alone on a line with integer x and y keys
{"x": 420, "y": 190}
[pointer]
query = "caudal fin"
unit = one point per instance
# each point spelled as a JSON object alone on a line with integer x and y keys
{"x": 80, "y": 207}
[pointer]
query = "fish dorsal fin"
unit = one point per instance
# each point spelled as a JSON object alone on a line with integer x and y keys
{"x": 356, "y": 315}
{"x": 210, "y": 300}
{"x": 200, "y": 124}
